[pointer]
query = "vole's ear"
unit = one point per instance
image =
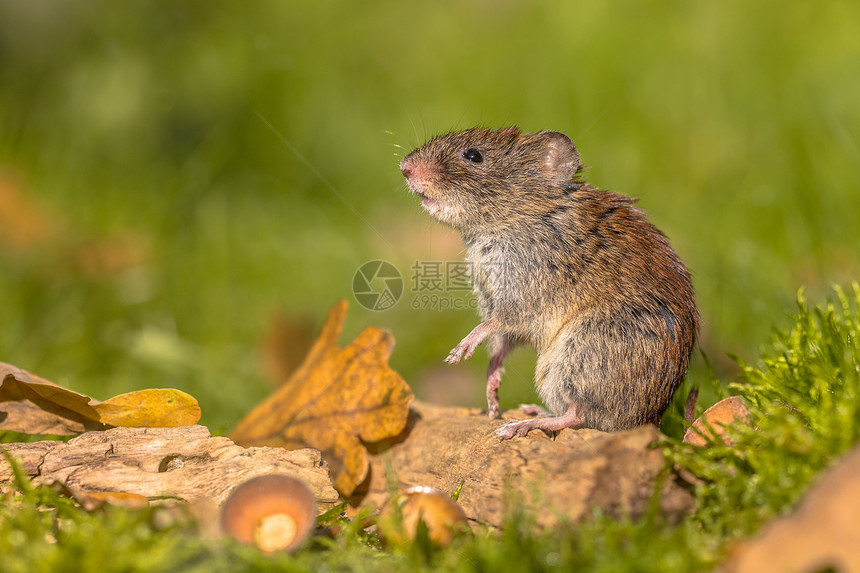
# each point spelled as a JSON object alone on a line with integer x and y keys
{"x": 560, "y": 156}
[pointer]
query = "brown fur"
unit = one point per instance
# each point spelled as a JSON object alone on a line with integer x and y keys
{"x": 578, "y": 273}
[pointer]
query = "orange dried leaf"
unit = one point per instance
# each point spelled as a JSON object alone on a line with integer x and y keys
{"x": 93, "y": 500}
{"x": 336, "y": 399}
{"x": 718, "y": 416}
{"x": 145, "y": 408}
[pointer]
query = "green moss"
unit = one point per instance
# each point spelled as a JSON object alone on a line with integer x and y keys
{"x": 804, "y": 394}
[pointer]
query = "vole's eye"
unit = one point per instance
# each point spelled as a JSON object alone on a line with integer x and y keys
{"x": 473, "y": 155}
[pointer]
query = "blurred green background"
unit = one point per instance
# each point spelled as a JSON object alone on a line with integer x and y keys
{"x": 175, "y": 174}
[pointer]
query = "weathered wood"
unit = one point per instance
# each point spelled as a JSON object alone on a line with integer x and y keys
{"x": 185, "y": 462}
{"x": 562, "y": 477}
{"x": 566, "y": 476}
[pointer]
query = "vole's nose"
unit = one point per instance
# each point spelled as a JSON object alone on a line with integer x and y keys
{"x": 406, "y": 170}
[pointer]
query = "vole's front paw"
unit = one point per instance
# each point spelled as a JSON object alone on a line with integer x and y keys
{"x": 473, "y": 340}
{"x": 462, "y": 351}
{"x": 456, "y": 354}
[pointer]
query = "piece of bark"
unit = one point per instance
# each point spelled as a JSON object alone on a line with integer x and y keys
{"x": 821, "y": 535}
{"x": 563, "y": 477}
{"x": 184, "y": 462}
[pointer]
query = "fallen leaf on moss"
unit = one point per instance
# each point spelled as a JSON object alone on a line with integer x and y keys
{"x": 336, "y": 399}
{"x": 718, "y": 416}
{"x": 93, "y": 500}
{"x": 153, "y": 408}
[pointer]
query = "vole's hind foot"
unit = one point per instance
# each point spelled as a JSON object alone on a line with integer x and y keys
{"x": 518, "y": 428}
{"x": 535, "y": 411}
{"x": 522, "y": 427}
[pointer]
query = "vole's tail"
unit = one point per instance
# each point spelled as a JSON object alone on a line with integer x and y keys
{"x": 690, "y": 405}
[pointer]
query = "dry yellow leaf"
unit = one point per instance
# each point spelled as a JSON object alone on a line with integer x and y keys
{"x": 150, "y": 408}
{"x": 337, "y": 399}
{"x": 153, "y": 408}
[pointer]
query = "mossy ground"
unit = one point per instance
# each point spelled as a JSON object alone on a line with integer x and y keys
{"x": 805, "y": 398}
{"x": 199, "y": 165}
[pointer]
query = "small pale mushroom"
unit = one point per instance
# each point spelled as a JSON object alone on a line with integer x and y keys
{"x": 273, "y": 512}
{"x": 442, "y": 515}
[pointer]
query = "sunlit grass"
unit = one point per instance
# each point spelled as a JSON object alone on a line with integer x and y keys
{"x": 804, "y": 393}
